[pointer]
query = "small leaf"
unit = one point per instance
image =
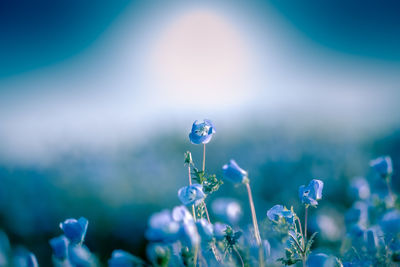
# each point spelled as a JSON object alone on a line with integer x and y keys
{"x": 310, "y": 242}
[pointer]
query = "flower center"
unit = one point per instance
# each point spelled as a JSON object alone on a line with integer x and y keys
{"x": 203, "y": 130}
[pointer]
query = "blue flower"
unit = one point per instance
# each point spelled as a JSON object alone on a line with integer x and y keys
{"x": 232, "y": 172}
{"x": 121, "y": 258}
{"x": 227, "y": 209}
{"x": 318, "y": 259}
{"x": 382, "y": 165}
{"x": 60, "y": 247}
{"x": 189, "y": 235}
{"x": 5, "y": 249}
{"x": 357, "y": 231}
{"x": 390, "y": 223}
{"x": 24, "y": 258}
{"x": 267, "y": 248}
{"x": 181, "y": 214}
{"x": 310, "y": 194}
{"x": 278, "y": 212}
{"x": 359, "y": 188}
{"x": 75, "y": 230}
{"x": 219, "y": 230}
{"x": 201, "y": 132}
{"x": 80, "y": 256}
{"x": 205, "y": 229}
{"x": 358, "y": 213}
{"x": 158, "y": 253}
{"x": 192, "y": 194}
{"x": 162, "y": 227}
{"x": 371, "y": 241}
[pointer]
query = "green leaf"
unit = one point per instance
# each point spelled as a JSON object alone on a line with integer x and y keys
{"x": 309, "y": 243}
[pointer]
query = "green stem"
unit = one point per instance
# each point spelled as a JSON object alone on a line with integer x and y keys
{"x": 190, "y": 175}
{"x": 196, "y": 251}
{"x": 238, "y": 254}
{"x": 206, "y": 210}
{"x": 255, "y": 225}
{"x": 214, "y": 248}
{"x": 204, "y": 157}
{"x": 190, "y": 183}
{"x": 305, "y": 224}
{"x": 305, "y": 236}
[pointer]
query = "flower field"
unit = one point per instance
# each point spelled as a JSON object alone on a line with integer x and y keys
{"x": 209, "y": 226}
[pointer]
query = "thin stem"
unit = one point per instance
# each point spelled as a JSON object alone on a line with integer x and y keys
{"x": 214, "y": 248}
{"x": 204, "y": 157}
{"x": 261, "y": 256}
{"x": 206, "y": 210}
{"x": 305, "y": 236}
{"x": 194, "y": 214}
{"x": 196, "y": 251}
{"x": 190, "y": 175}
{"x": 190, "y": 183}
{"x": 253, "y": 215}
{"x": 255, "y": 225}
{"x": 216, "y": 252}
{"x": 305, "y": 225}
{"x": 238, "y": 254}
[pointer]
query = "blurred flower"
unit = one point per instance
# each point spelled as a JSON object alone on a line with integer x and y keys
{"x": 5, "y": 249}
{"x": 219, "y": 230}
{"x": 382, "y": 165}
{"x": 60, "y": 247}
{"x": 189, "y": 235}
{"x": 162, "y": 227}
{"x": 357, "y": 230}
{"x": 75, "y": 230}
{"x": 232, "y": 172}
{"x": 267, "y": 248}
{"x": 321, "y": 260}
{"x": 181, "y": 214}
{"x": 80, "y": 256}
{"x": 311, "y": 193}
{"x": 191, "y": 195}
{"x": 356, "y": 234}
{"x": 158, "y": 254}
{"x": 201, "y": 132}
{"x": 358, "y": 213}
{"x": 227, "y": 209}
{"x": 390, "y": 222}
{"x": 371, "y": 241}
{"x": 32, "y": 261}
{"x": 329, "y": 226}
{"x": 121, "y": 258}
{"x": 278, "y": 212}
{"x": 359, "y": 188}
{"x": 24, "y": 258}
{"x": 205, "y": 229}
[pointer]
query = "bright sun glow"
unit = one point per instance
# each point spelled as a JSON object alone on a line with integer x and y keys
{"x": 201, "y": 50}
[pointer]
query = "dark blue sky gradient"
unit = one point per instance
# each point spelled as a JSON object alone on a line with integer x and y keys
{"x": 363, "y": 28}
{"x": 38, "y": 33}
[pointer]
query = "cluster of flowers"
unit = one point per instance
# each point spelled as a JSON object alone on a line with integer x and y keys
{"x": 373, "y": 222}
{"x": 185, "y": 235}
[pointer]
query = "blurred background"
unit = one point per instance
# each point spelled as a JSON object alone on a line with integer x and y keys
{"x": 97, "y": 99}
